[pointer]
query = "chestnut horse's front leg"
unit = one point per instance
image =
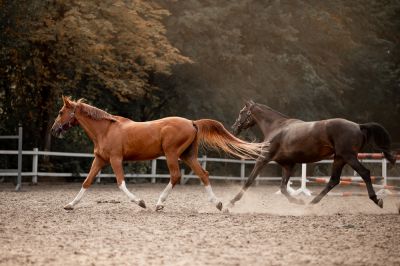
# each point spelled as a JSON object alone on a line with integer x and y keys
{"x": 94, "y": 170}
{"x": 116, "y": 164}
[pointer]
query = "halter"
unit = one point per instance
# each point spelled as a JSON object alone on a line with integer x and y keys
{"x": 247, "y": 120}
{"x": 68, "y": 123}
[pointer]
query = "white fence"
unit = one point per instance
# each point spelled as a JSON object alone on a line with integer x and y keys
{"x": 35, "y": 153}
{"x": 18, "y": 171}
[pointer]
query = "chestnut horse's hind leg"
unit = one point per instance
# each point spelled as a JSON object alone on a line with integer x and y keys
{"x": 173, "y": 167}
{"x": 337, "y": 167}
{"x": 116, "y": 165}
{"x": 194, "y": 164}
{"x": 94, "y": 170}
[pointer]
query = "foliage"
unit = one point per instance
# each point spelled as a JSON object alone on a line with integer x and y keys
{"x": 110, "y": 52}
{"x": 309, "y": 59}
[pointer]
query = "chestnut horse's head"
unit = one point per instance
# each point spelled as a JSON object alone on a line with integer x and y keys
{"x": 245, "y": 118}
{"x": 65, "y": 119}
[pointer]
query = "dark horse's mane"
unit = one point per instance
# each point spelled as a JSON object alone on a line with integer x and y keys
{"x": 94, "y": 112}
{"x": 267, "y": 108}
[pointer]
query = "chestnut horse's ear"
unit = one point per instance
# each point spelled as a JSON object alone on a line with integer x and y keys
{"x": 67, "y": 101}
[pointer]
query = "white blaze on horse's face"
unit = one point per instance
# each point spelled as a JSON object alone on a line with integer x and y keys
{"x": 65, "y": 119}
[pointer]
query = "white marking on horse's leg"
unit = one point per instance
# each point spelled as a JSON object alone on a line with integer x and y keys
{"x": 76, "y": 199}
{"x": 131, "y": 196}
{"x": 164, "y": 195}
{"x": 211, "y": 196}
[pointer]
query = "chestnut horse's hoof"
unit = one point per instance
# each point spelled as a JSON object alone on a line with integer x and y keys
{"x": 219, "y": 206}
{"x": 159, "y": 207}
{"x": 68, "y": 207}
{"x": 380, "y": 203}
{"x": 142, "y": 204}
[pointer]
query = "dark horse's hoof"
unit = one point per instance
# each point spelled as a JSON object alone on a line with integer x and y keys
{"x": 159, "y": 207}
{"x": 68, "y": 207}
{"x": 297, "y": 201}
{"x": 380, "y": 203}
{"x": 142, "y": 204}
{"x": 219, "y": 206}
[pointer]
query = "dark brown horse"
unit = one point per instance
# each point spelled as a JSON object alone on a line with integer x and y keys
{"x": 117, "y": 139}
{"x": 294, "y": 141}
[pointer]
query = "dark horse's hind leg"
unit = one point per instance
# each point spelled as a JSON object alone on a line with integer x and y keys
{"x": 365, "y": 174}
{"x": 287, "y": 172}
{"x": 337, "y": 167}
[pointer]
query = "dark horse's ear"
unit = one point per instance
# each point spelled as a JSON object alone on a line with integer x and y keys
{"x": 67, "y": 101}
{"x": 250, "y": 103}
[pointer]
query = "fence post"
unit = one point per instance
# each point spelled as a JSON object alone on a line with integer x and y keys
{"x": 384, "y": 171}
{"x": 303, "y": 189}
{"x": 35, "y": 159}
{"x": 19, "y": 178}
{"x": 98, "y": 178}
{"x": 153, "y": 170}
{"x": 204, "y": 164}
{"x": 303, "y": 175}
{"x": 182, "y": 176}
{"x": 242, "y": 171}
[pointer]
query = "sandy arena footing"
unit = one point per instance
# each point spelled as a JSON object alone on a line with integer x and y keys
{"x": 262, "y": 229}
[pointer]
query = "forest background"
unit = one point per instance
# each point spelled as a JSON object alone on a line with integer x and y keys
{"x": 197, "y": 59}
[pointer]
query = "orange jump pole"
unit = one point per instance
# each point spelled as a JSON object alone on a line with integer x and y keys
{"x": 351, "y": 183}
{"x": 374, "y": 156}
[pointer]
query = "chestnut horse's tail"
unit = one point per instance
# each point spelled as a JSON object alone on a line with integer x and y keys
{"x": 213, "y": 134}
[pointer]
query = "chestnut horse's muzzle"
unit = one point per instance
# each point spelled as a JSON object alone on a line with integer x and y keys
{"x": 59, "y": 129}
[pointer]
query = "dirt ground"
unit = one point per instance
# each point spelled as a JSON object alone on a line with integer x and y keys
{"x": 263, "y": 229}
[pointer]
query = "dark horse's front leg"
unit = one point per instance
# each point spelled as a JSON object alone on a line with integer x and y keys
{"x": 287, "y": 172}
{"x": 260, "y": 163}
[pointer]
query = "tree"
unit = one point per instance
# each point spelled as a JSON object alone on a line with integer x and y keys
{"x": 94, "y": 49}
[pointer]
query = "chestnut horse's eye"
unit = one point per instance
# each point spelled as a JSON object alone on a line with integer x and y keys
{"x": 60, "y": 113}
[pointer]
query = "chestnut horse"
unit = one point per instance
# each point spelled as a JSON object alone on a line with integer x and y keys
{"x": 117, "y": 139}
{"x": 293, "y": 141}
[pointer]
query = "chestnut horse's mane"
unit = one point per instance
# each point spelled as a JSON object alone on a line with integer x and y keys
{"x": 94, "y": 112}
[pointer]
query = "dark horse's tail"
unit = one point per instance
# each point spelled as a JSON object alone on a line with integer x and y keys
{"x": 379, "y": 136}
{"x": 213, "y": 134}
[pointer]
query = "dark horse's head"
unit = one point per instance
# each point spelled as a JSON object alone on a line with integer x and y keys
{"x": 65, "y": 119}
{"x": 245, "y": 118}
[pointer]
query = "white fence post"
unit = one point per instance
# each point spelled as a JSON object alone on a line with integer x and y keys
{"x": 303, "y": 189}
{"x": 242, "y": 171}
{"x": 182, "y": 176}
{"x": 98, "y": 178}
{"x": 384, "y": 171}
{"x": 204, "y": 164}
{"x": 384, "y": 190}
{"x": 35, "y": 160}
{"x": 19, "y": 178}
{"x": 153, "y": 170}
